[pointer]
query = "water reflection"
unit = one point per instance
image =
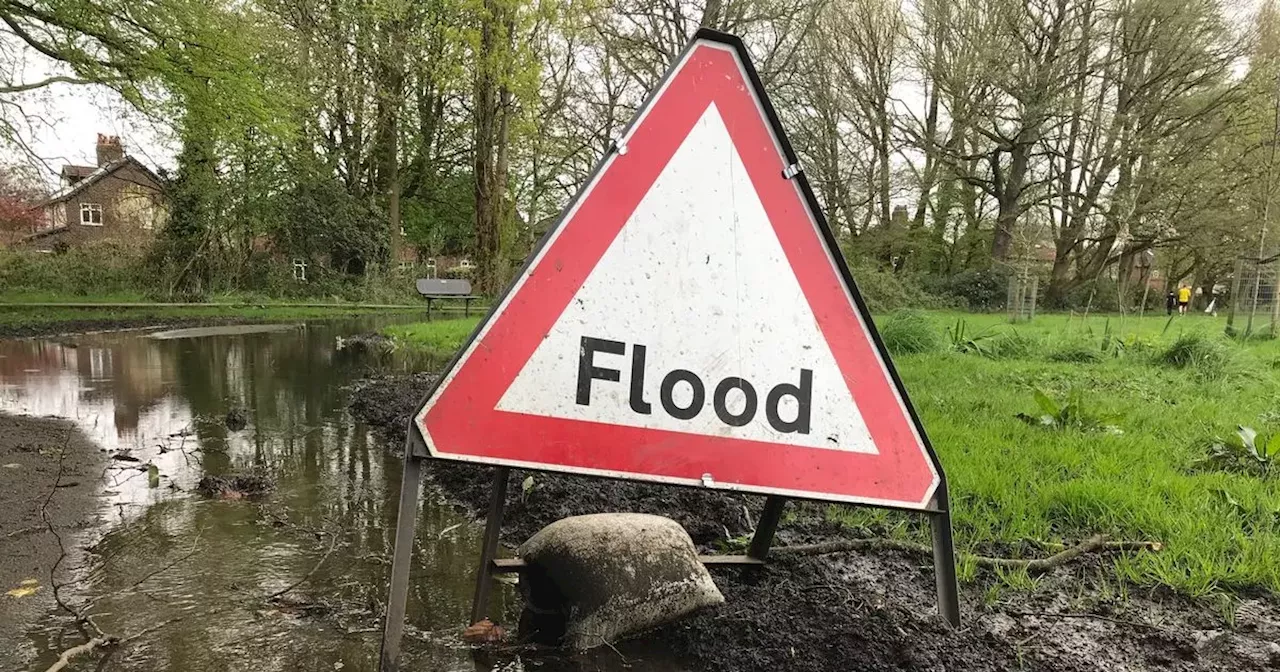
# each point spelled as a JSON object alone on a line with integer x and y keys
{"x": 163, "y": 402}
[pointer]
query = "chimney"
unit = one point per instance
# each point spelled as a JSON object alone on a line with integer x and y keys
{"x": 109, "y": 149}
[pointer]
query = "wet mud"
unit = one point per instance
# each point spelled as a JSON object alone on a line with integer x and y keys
{"x": 866, "y": 611}
{"x": 49, "y": 478}
{"x": 90, "y": 325}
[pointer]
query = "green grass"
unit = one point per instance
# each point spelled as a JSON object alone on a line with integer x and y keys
{"x": 909, "y": 332}
{"x": 1014, "y": 485}
{"x": 437, "y": 338}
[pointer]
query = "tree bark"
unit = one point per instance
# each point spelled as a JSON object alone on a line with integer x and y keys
{"x": 487, "y": 190}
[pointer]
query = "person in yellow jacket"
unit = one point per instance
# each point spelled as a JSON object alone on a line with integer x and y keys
{"x": 1184, "y": 299}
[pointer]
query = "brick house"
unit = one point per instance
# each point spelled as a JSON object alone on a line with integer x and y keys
{"x": 120, "y": 199}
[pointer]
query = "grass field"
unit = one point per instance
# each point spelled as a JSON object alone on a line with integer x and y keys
{"x": 1126, "y": 458}
{"x": 438, "y": 339}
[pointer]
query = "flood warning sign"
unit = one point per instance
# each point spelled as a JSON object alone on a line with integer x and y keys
{"x": 689, "y": 320}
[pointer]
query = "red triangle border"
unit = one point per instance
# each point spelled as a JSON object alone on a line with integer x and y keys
{"x": 459, "y": 420}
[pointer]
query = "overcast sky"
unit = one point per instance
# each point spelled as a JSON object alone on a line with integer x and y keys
{"x": 60, "y": 123}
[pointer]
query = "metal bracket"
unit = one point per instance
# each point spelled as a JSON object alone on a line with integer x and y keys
{"x": 792, "y": 170}
{"x": 489, "y": 551}
{"x": 416, "y": 446}
{"x": 618, "y": 147}
{"x": 401, "y": 559}
{"x": 944, "y": 558}
{"x": 762, "y": 539}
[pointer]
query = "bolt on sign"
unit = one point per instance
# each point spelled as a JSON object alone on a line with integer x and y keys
{"x": 691, "y": 321}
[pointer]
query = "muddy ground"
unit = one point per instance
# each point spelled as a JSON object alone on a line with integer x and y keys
{"x": 869, "y": 611}
{"x": 91, "y": 325}
{"x": 49, "y": 476}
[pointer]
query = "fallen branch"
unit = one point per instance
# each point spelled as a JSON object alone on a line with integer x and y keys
{"x": 1153, "y": 546}
{"x": 333, "y": 543}
{"x": 1069, "y": 553}
{"x": 195, "y": 548}
{"x": 1092, "y": 617}
{"x": 25, "y": 530}
{"x": 48, "y": 523}
{"x": 65, "y": 658}
{"x": 106, "y": 641}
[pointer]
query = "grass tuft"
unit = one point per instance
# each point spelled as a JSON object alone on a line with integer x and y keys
{"x": 1076, "y": 352}
{"x": 909, "y": 332}
{"x": 1208, "y": 357}
{"x": 1012, "y": 344}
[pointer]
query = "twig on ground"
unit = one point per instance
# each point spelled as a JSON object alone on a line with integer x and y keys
{"x": 1153, "y": 546}
{"x": 195, "y": 547}
{"x": 102, "y": 640}
{"x": 65, "y": 658}
{"x": 148, "y": 630}
{"x": 1094, "y": 617}
{"x": 333, "y": 543}
{"x": 1069, "y": 553}
{"x": 48, "y": 522}
{"x": 25, "y": 530}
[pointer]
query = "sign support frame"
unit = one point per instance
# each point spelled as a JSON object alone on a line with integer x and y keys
{"x": 938, "y": 511}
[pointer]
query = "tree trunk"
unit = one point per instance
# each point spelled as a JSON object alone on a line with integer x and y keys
{"x": 488, "y": 197}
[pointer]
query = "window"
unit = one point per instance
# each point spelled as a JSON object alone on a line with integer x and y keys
{"x": 91, "y": 214}
{"x": 300, "y": 270}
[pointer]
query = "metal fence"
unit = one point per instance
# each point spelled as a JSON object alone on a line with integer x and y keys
{"x": 1255, "y": 309}
{"x": 1024, "y": 287}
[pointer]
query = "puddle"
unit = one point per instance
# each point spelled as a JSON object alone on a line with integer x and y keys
{"x": 227, "y": 330}
{"x": 163, "y": 400}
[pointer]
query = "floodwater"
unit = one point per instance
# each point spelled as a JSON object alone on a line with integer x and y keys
{"x": 161, "y": 552}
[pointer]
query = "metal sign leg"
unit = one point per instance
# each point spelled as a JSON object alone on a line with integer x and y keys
{"x": 492, "y": 528}
{"x": 402, "y": 559}
{"x": 762, "y": 539}
{"x": 944, "y": 559}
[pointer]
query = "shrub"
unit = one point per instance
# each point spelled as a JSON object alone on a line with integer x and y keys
{"x": 981, "y": 290}
{"x": 458, "y": 273}
{"x": 885, "y": 291}
{"x": 908, "y": 332}
{"x": 93, "y": 268}
{"x": 1194, "y": 350}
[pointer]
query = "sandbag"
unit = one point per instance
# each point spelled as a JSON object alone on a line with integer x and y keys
{"x": 598, "y": 578}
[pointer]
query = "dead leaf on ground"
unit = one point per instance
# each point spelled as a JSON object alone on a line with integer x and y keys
{"x": 484, "y": 632}
{"x": 27, "y": 588}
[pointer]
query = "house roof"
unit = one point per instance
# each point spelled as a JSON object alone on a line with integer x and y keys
{"x": 94, "y": 175}
{"x": 78, "y": 171}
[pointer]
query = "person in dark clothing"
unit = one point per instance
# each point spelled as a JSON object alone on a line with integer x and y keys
{"x": 1170, "y": 301}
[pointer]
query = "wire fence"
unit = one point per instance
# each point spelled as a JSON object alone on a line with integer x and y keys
{"x": 1255, "y": 309}
{"x": 1024, "y": 287}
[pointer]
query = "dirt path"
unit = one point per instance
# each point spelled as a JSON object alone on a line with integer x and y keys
{"x": 871, "y": 611}
{"x": 49, "y": 475}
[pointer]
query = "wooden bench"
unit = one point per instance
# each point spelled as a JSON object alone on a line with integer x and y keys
{"x": 433, "y": 289}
